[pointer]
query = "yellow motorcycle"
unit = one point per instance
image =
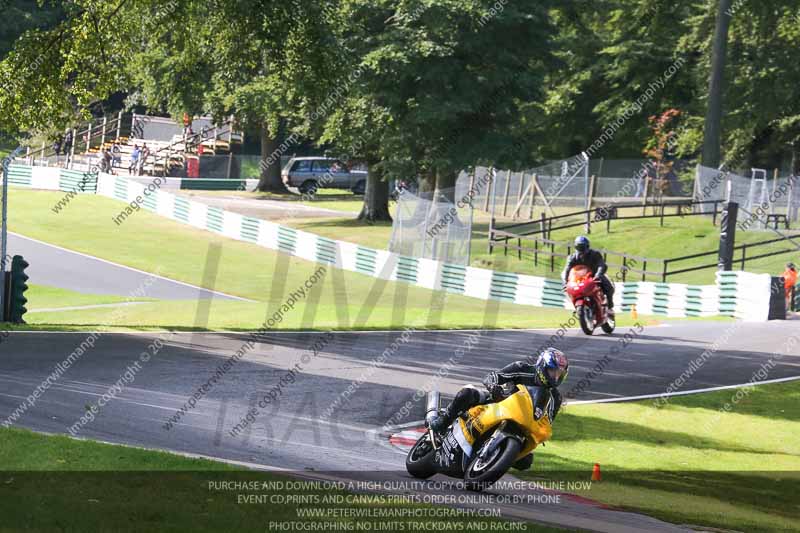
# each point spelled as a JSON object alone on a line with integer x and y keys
{"x": 483, "y": 443}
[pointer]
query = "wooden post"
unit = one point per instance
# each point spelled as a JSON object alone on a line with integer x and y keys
{"x": 644, "y": 196}
{"x": 489, "y": 189}
{"x": 774, "y": 188}
{"x": 505, "y": 195}
{"x": 72, "y": 147}
{"x": 519, "y": 194}
{"x": 119, "y": 124}
{"x": 230, "y": 163}
{"x": 544, "y": 199}
{"x": 88, "y": 136}
{"x": 544, "y": 225}
{"x": 103, "y": 133}
{"x": 533, "y": 195}
{"x": 491, "y": 235}
{"x": 592, "y": 185}
{"x": 471, "y": 182}
{"x": 624, "y": 267}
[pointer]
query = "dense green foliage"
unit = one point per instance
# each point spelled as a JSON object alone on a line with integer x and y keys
{"x": 419, "y": 87}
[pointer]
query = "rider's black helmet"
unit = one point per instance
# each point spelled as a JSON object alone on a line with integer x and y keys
{"x": 552, "y": 367}
{"x": 581, "y": 243}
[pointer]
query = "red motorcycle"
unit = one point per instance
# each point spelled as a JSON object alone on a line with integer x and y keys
{"x": 589, "y": 300}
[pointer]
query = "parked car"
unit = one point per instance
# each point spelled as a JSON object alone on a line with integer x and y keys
{"x": 311, "y": 173}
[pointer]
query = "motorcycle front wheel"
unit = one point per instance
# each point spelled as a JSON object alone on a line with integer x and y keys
{"x": 420, "y": 459}
{"x": 584, "y": 313}
{"x": 483, "y": 473}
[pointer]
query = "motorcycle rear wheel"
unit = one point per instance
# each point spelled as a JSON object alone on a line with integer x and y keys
{"x": 481, "y": 475}
{"x": 585, "y": 318}
{"x": 420, "y": 459}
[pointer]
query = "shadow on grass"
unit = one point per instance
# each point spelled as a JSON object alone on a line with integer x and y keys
{"x": 758, "y": 401}
{"x": 772, "y": 493}
{"x": 577, "y": 428}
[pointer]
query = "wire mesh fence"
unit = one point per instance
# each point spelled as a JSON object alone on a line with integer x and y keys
{"x": 764, "y": 197}
{"x": 428, "y": 225}
{"x": 577, "y": 183}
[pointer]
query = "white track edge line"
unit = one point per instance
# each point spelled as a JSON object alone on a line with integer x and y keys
{"x": 130, "y": 268}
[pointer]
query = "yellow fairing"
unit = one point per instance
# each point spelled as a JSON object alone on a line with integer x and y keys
{"x": 517, "y": 408}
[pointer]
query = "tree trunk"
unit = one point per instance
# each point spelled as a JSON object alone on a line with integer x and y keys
{"x": 270, "y": 165}
{"x": 446, "y": 185}
{"x": 713, "y": 127}
{"x": 376, "y": 199}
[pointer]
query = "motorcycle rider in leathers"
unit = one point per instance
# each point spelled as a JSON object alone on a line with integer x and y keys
{"x": 549, "y": 370}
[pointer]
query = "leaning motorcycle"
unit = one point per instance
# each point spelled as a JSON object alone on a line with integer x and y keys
{"x": 589, "y": 301}
{"x": 482, "y": 444}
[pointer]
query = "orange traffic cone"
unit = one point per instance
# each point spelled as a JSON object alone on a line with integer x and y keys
{"x": 596, "y": 472}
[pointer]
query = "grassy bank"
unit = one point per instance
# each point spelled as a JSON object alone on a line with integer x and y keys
{"x": 688, "y": 461}
{"x": 339, "y": 300}
{"x": 642, "y": 238}
{"x": 52, "y": 483}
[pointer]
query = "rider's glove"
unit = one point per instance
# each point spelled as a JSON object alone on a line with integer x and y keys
{"x": 491, "y": 382}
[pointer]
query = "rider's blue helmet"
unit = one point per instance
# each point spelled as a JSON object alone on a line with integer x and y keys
{"x": 581, "y": 243}
{"x": 552, "y": 367}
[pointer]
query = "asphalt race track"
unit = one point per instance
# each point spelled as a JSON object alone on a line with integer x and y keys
{"x": 293, "y": 432}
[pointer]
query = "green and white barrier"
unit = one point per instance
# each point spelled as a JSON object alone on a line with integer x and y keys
{"x": 744, "y": 295}
{"x": 739, "y": 294}
{"x": 669, "y": 299}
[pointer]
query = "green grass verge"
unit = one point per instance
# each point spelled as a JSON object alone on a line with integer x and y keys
{"x": 45, "y": 297}
{"x": 155, "y": 244}
{"x": 688, "y": 461}
{"x": 53, "y": 483}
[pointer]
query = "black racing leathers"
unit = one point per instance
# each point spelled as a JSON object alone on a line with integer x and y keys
{"x": 591, "y": 258}
{"x": 519, "y": 372}
{"x": 597, "y": 264}
{"x": 524, "y": 373}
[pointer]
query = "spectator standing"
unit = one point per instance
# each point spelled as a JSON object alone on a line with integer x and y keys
{"x": 134, "y": 166}
{"x": 116, "y": 155}
{"x": 106, "y": 161}
{"x": 143, "y": 157}
{"x": 789, "y": 281}
{"x": 67, "y": 145}
{"x": 57, "y": 146}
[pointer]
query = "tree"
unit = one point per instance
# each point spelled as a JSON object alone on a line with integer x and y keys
{"x": 448, "y": 85}
{"x": 266, "y": 63}
{"x": 713, "y": 128}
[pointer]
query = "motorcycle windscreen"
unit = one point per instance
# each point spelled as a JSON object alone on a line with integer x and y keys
{"x": 579, "y": 273}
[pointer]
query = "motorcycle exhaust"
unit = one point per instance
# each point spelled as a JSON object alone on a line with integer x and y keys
{"x": 430, "y": 411}
{"x": 433, "y": 405}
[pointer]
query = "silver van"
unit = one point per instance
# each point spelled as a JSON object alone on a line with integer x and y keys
{"x": 311, "y": 173}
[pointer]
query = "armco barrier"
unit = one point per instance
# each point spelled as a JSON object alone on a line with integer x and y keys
{"x": 738, "y": 294}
